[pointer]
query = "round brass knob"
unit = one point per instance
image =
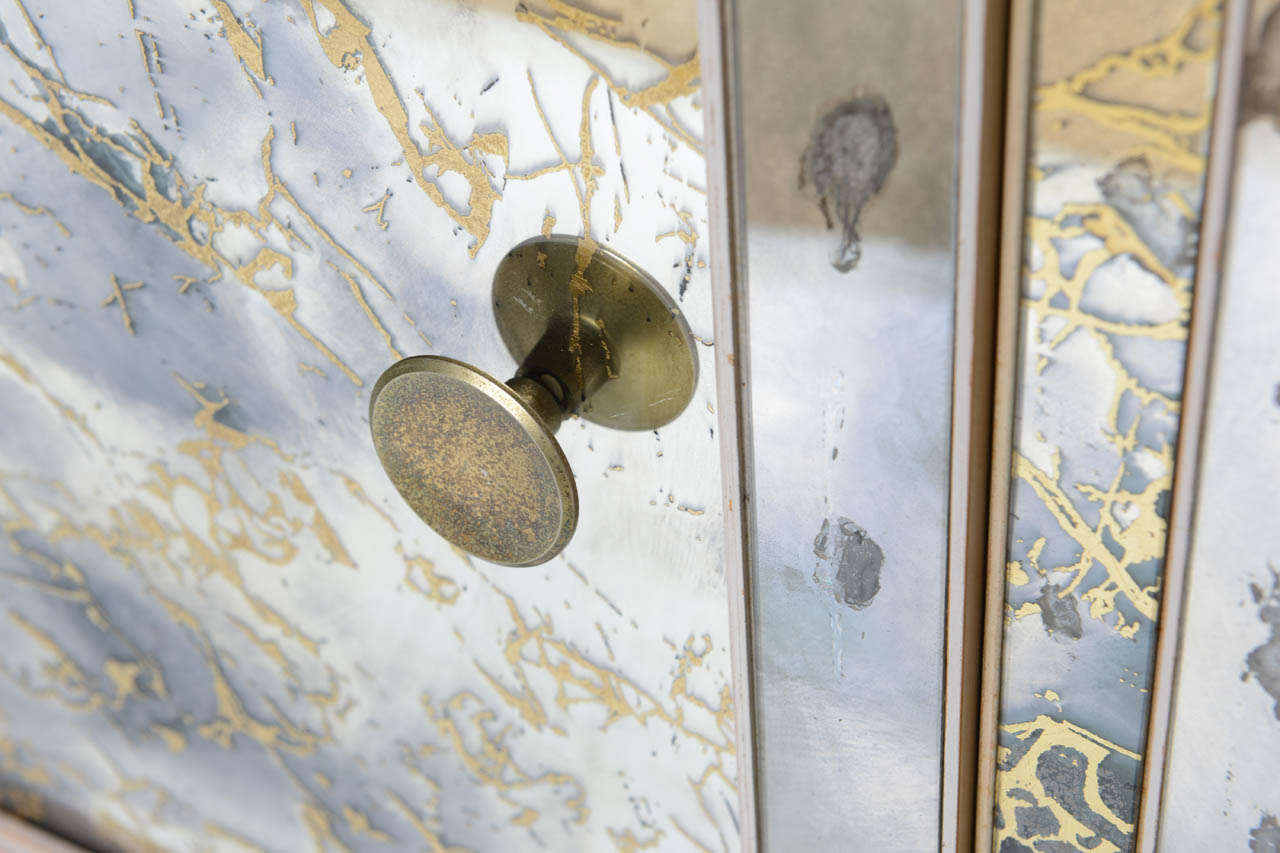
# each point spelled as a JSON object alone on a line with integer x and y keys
{"x": 475, "y": 458}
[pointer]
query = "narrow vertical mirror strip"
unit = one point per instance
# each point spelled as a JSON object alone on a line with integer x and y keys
{"x": 849, "y": 145}
{"x": 1118, "y": 134}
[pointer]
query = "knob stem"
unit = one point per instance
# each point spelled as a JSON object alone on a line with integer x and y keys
{"x": 570, "y": 361}
{"x": 539, "y": 397}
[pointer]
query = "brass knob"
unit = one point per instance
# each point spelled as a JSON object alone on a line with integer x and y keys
{"x": 475, "y": 458}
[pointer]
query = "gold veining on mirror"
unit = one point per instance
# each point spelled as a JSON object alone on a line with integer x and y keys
{"x": 1136, "y": 120}
{"x": 204, "y": 520}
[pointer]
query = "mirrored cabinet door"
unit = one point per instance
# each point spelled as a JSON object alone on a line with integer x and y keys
{"x": 710, "y": 425}
{"x": 221, "y": 625}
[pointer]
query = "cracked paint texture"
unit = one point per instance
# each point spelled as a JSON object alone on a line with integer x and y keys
{"x": 1119, "y": 129}
{"x": 220, "y": 628}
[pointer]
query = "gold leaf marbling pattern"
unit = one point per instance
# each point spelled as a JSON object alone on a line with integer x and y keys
{"x": 1116, "y": 168}
{"x": 221, "y": 630}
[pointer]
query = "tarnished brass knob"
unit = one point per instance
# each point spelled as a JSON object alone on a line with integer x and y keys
{"x": 475, "y": 458}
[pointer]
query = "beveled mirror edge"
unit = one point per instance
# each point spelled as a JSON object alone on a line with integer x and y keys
{"x": 1018, "y": 80}
{"x": 977, "y": 244}
{"x": 717, "y": 30}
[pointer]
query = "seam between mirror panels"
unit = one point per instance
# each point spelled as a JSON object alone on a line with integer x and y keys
{"x": 1197, "y": 382}
{"x": 32, "y": 838}
{"x": 1012, "y": 216}
{"x": 726, "y": 220}
{"x": 977, "y": 241}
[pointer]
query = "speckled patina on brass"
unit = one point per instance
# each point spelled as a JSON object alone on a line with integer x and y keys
{"x": 472, "y": 461}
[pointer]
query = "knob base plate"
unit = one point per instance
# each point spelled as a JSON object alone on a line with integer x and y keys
{"x": 650, "y": 357}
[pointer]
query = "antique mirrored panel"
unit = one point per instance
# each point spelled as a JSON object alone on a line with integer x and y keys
{"x": 220, "y": 625}
{"x": 1117, "y": 123}
{"x": 843, "y": 134}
